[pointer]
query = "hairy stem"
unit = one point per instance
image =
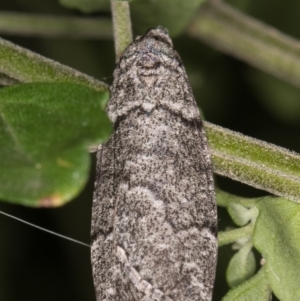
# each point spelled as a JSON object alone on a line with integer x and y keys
{"x": 255, "y": 162}
{"x": 228, "y": 237}
{"x": 121, "y": 26}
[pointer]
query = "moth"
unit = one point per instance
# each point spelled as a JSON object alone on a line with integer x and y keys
{"x": 154, "y": 219}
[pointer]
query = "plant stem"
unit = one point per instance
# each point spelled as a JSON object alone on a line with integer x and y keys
{"x": 26, "y": 66}
{"x": 247, "y": 39}
{"x": 255, "y": 162}
{"x": 55, "y": 26}
{"x": 228, "y": 237}
{"x": 121, "y": 26}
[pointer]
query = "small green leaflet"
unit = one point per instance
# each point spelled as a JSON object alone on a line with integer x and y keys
{"x": 257, "y": 288}
{"x": 277, "y": 238}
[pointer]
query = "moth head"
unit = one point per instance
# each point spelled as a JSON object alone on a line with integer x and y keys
{"x": 161, "y": 34}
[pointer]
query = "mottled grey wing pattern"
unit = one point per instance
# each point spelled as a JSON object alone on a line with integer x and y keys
{"x": 154, "y": 220}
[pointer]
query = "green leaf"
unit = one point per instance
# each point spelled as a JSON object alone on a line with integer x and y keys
{"x": 172, "y": 14}
{"x": 240, "y": 214}
{"x": 255, "y": 289}
{"x": 86, "y": 6}
{"x": 45, "y": 130}
{"x": 241, "y": 266}
{"x": 276, "y": 236}
{"x": 254, "y": 162}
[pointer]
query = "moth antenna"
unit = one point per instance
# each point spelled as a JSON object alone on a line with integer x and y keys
{"x": 46, "y": 230}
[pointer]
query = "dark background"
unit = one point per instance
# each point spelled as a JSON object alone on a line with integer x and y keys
{"x": 38, "y": 266}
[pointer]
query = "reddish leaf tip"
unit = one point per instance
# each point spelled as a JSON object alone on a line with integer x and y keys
{"x": 50, "y": 201}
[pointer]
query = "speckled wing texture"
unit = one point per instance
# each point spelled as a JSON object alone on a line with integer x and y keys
{"x": 154, "y": 219}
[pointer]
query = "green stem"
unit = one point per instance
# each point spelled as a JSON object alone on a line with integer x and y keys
{"x": 121, "y": 26}
{"x": 228, "y": 237}
{"x": 25, "y": 66}
{"x": 245, "y": 38}
{"x": 254, "y": 162}
{"x": 54, "y": 26}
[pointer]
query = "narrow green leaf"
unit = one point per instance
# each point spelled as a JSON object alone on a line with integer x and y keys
{"x": 255, "y": 289}
{"x": 172, "y": 14}
{"x": 23, "y": 65}
{"x": 241, "y": 266}
{"x": 276, "y": 237}
{"x": 45, "y": 130}
{"x": 254, "y": 162}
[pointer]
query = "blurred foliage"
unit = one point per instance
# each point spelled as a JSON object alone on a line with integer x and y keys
{"x": 86, "y": 6}
{"x": 38, "y": 266}
{"x": 147, "y": 14}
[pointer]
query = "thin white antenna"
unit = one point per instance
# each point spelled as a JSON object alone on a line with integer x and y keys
{"x": 46, "y": 230}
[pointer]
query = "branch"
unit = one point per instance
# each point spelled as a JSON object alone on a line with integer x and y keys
{"x": 255, "y": 162}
